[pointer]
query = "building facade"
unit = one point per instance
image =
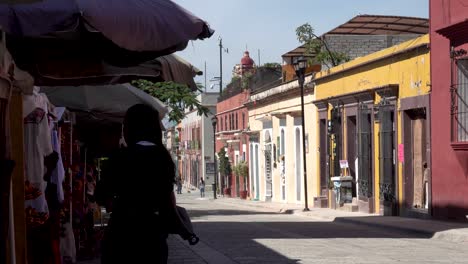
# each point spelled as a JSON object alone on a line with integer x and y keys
{"x": 449, "y": 108}
{"x": 373, "y": 124}
{"x": 196, "y": 144}
{"x": 276, "y": 159}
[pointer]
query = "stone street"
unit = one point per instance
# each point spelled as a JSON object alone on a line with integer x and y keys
{"x": 241, "y": 232}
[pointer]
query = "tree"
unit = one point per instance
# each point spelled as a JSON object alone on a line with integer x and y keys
{"x": 316, "y": 46}
{"x": 272, "y": 65}
{"x": 242, "y": 170}
{"x": 224, "y": 164}
{"x": 176, "y": 96}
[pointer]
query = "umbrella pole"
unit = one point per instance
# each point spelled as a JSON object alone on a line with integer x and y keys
{"x": 17, "y": 154}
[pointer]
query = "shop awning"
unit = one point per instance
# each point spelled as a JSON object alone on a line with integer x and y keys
{"x": 120, "y": 32}
{"x": 176, "y": 69}
{"x": 102, "y": 103}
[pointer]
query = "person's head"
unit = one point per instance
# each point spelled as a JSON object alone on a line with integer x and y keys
{"x": 141, "y": 123}
{"x": 425, "y": 165}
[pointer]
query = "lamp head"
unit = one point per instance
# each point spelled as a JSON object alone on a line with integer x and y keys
{"x": 300, "y": 65}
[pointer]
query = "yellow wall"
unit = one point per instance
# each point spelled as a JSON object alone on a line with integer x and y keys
{"x": 409, "y": 69}
{"x": 311, "y": 122}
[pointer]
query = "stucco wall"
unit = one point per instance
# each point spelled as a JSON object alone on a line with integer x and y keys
{"x": 449, "y": 167}
{"x": 356, "y": 46}
{"x": 285, "y": 106}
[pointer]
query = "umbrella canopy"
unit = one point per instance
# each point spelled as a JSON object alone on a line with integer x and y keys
{"x": 121, "y": 32}
{"x": 102, "y": 103}
{"x": 178, "y": 70}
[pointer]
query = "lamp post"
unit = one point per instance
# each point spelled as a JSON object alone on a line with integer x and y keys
{"x": 300, "y": 65}
{"x": 214, "y": 120}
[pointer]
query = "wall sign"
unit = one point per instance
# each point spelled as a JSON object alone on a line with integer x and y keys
{"x": 210, "y": 167}
{"x": 344, "y": 164}
{"x": 401, "y": 153}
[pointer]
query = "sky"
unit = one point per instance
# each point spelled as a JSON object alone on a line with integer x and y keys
{"x": 269, "y": 26}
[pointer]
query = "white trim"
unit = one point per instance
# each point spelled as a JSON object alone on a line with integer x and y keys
{"x": 301, "y": 171}
{"x": 283, "y": 152}
{"x": 270, "y": 131}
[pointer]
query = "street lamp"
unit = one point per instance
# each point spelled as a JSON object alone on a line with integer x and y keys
{"x": 300, "y": 65}
{"x": 214, "y": 120}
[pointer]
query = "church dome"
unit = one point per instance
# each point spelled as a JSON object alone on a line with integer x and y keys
{"x": 246, "y": 60}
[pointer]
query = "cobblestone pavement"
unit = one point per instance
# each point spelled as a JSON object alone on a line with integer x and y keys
{"x": 238, "y": 233}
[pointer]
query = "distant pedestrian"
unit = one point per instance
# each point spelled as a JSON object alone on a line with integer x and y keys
{"x": 179, "y": 185}
{"x": 202, "y": 187}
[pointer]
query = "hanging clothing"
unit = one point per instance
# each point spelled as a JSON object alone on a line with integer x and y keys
{"x": 58, "y": 175}
{"x": 37, "y": 145}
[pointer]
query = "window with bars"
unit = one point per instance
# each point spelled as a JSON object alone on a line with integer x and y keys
{"x": 365, "y": 152}
{"x": 459, "y": 102}
{"x": 387, "y": 153}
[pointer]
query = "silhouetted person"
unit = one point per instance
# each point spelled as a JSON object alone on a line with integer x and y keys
{"x": 139, "y": 183}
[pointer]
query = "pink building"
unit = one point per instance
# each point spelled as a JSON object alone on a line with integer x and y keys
{"x": 449, "y": 108}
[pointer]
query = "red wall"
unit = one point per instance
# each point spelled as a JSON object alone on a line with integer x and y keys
{"x": 224, "y": 108}
{"x": 449, "y": 167}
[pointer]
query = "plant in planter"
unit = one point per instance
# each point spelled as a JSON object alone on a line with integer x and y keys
{"x": 242, "y": 170}
{"x": 224, "y": 168}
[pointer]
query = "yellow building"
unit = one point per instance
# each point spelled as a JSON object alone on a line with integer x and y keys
{"x": 275, "y": 128}
{"x": 373, "y": 117}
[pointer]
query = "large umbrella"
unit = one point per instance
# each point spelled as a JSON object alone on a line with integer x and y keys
{"x": 102, "y": 103}
{"x": 121, "y": 32}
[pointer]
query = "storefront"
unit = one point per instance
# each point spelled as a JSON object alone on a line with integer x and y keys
{"x": 374, "y": 131}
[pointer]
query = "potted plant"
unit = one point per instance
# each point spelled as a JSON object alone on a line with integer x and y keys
{"x": 224, "y": 169}
{"x": 242, "y": 170}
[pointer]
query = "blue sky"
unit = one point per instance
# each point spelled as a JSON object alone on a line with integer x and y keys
{"x": 269, "y": 26}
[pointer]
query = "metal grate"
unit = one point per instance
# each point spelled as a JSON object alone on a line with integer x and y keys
{"x": 460, "y": 101}
{"x": 364, "y": 152}
{"x": 387, "y": 154}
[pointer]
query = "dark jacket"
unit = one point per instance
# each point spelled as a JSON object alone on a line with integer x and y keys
{"x": 139, "y": 180}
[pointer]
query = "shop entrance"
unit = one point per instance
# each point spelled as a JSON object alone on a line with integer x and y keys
{"x": 387, "y": 160}
{"x": 364, "y": 173}
{"x": 351, "y": 156}
{"x": 415, "y": 164}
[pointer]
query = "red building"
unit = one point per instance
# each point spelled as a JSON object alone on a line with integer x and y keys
{"x": 449, "y": 108}
{"x": 232, "y": 123}
{"x": 232, "y": 131}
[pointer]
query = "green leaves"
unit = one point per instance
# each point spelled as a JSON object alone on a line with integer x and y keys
{"x": 318, "y": 48}
{"x": 224, "y": 165}
{"x": 177, "y": 96}
{"x": 241, "y": 169}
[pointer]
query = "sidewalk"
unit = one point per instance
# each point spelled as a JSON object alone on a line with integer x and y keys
{"x": 448, "y": 231}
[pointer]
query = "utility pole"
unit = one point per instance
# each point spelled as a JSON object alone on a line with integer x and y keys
{"x": 259, "y": 64}
{"x": 220, "y": 65}
{"x": 205, "y": 76}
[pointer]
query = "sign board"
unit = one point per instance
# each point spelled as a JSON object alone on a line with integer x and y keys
{"x": 401, "y": 153}
{"x": 344, "y": 164}
{"x": 210, "y": 167}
